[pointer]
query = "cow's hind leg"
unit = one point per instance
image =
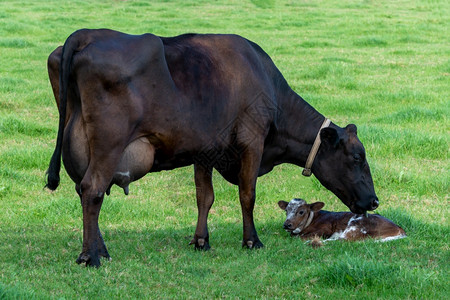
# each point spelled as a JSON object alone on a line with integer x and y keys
{"x": 101, "y": 247}
{"x": 205, "y": 199}
{"x": 93, "y": 244}
{"x": 93, "y": 189}
{"x": 107, "y": 143}
{"x": 135, "y": 161}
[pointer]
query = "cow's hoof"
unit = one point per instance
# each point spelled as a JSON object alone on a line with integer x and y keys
{"x": 252, "y": 244}
{"x": 89, "y": 260}
{"x": 92, "y": 260}
{"x": 200, "y": 244}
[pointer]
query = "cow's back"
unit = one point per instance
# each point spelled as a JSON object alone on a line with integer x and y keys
{"x": 187, "y": 94}
{"x": 210, "y": 67}
{"x": 194, "y": 97}
{"x": 222, "y": 76}
{"x": 230, "y": 95}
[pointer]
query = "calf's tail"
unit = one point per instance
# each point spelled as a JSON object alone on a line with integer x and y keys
{"x": 70, "y": 47}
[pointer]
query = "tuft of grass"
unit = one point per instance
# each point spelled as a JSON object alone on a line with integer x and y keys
{"x": 413, "y": 115}
{"x": 15, "y": 43}
{"x": 14, "y": 125}
{"x": 370, "y": 42}
{"x": 264, "y": 3}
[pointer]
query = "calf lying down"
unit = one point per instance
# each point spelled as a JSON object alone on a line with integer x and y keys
{"x": 308, "y": 221}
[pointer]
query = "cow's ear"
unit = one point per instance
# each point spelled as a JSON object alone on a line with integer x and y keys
{"x": 329, "y": 136}
{"x": 316, "y": 206}
{"x": 351, "y": 128}
{"x": 283, "y": 204}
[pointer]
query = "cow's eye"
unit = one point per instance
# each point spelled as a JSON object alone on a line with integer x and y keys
{"x": 357, "y": 157}
{"x": 301, "y": 212}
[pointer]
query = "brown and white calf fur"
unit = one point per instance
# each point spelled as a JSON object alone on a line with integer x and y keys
{"x": 308, "y": 220}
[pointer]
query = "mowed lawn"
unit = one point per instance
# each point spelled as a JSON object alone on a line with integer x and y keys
{"x": 383, "y": 65}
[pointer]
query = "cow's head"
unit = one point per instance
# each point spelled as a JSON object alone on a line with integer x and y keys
{"x": 341, "y": 166}
{"x": 298, "y": 214}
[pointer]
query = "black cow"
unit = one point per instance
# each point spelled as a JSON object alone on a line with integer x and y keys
{"x": 131, "y": 104}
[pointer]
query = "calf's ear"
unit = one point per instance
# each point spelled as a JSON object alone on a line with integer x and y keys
{"x": 329, "y": 136}
{"x": 283, "y": 204}
{"x": 316, "y": 206}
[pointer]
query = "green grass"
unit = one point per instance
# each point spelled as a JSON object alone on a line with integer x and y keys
{"x": 383, "y": 65}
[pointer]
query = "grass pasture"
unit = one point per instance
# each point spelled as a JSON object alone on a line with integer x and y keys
{"x": 383, "y": 65}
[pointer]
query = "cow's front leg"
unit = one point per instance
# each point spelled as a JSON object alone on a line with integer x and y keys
{"x": 93, "y": 245}
{"x": 205, "y": 199}
{"x": 247, "y": 184}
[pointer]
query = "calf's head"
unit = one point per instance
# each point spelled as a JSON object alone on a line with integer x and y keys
{"x": 299, "y": 214}
{"x": 341, "y": 166}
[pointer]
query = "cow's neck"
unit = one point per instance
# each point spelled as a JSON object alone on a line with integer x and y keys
{"x": 299, "y": 126}
{"x": 314, "y": 224}
{"x": 323, "y": 224}
{"x": 317, "y": 216}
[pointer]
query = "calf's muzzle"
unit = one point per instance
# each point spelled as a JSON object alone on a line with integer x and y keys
{"x": 287, "y": 225}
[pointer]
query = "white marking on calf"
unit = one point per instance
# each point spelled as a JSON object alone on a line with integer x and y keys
{"x": 296, "y": 231}
{"x": 392, "y": 238}
{"x": 342, "y": 235}
{"x": 292, "y": 207}
{"x": 336, "y": 236}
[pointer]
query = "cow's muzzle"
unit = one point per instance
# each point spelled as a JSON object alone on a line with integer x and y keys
{"x": 372, "y": 204}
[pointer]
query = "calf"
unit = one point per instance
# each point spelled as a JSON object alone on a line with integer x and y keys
{"x": 308, "y": 220}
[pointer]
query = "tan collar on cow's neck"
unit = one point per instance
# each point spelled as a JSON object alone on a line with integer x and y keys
{"x": 310, "y": 217}
{"x": 314, "y": 149}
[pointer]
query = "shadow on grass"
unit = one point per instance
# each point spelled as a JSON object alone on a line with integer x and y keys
{"x": 415, "y": 227}
{"x": 40, "y": 240}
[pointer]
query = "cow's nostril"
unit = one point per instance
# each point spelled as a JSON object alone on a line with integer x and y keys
{"x": 375, "y": 203}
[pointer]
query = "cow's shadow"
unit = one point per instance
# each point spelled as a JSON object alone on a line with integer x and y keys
{"x": 44, "y": 245}
{"x": 229, "y": 234}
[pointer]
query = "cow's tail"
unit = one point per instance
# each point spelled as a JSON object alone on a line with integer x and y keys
{"x": 70, "y": 47}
